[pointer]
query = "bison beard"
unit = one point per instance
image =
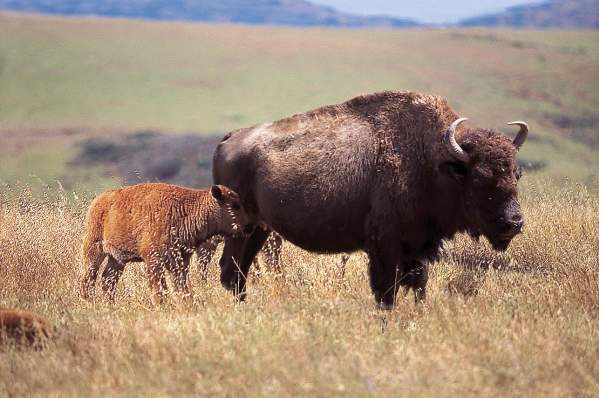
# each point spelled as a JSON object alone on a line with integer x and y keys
{"x": 391, "y": 173}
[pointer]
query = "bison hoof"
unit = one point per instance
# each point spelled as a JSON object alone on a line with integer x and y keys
{"x": 228, "y": 284}
{"x": 86, "y": 294}
{"x": 385, "y": 306}
{"x": 241, "y": 297}
{"x": 234, "y": 288}
{"x": 384, "y": 302}
{"x": 419, "y": 296}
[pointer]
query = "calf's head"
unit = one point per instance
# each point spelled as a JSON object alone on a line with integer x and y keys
{"x": 484, "y": 166}
{"x": 232, "y": 218}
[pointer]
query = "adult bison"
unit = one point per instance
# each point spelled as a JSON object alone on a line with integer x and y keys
{"x": 391, "y": 173}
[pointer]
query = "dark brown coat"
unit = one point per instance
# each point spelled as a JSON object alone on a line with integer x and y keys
{"x": 375, "y": 173}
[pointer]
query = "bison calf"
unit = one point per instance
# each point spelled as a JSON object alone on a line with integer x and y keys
{"x": 23, "y": 328}
{"x": 159, "y": 224}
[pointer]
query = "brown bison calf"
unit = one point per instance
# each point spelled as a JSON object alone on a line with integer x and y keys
{"x": 159, "y": 224}
{"x": 23, "y": 328}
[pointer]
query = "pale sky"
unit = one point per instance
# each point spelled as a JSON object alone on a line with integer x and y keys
{"x": 429, "y": 11}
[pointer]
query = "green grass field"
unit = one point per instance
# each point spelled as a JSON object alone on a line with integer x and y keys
{"x": 86, "y": 74}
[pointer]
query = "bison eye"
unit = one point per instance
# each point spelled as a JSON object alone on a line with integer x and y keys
{"x": 456, "y": 170}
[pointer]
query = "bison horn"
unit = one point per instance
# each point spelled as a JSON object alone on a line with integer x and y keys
{"x": 452, "y": 146}
{"x": 522, "y": 134}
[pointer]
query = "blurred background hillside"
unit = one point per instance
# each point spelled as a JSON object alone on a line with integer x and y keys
{"x": 94, "y": 102}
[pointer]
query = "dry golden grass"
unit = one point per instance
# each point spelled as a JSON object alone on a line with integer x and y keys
{"x": 521, "y": 323}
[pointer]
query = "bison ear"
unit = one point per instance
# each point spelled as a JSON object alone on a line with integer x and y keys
{"x": 217, "y": 192}
{"x": 456, "y": 170}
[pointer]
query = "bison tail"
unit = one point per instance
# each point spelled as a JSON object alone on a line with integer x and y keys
{"x": 93, "y": 252}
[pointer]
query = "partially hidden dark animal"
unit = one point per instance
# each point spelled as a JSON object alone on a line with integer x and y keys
{"x": 159, "y": 224}
{"x": 24, "y": 328}
{"x": 390, "y": 173}
{"x": 271, "y": 252}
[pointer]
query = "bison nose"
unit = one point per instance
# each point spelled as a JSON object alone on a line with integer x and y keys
{"x": 517, "y": 222}
{"x": 518, "y": 225}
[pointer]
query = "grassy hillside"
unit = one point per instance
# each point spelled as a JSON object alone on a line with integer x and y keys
{"x": 76, "y": 77}
{"x": 522, "y": 323}
{"x": 565, "y": 14}
{"x": 263, "y": 12}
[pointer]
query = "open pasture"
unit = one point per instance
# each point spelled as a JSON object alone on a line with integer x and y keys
{"x": 63, "y": 80}
{"x": 520, "y": 323}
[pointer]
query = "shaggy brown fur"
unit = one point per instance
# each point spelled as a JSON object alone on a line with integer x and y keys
{"x": 159, "y": 224}
{"x": 23, "y": 328}
{"x": 372, "y": 174}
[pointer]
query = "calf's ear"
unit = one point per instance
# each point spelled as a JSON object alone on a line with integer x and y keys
{"x": 217, "y": 192}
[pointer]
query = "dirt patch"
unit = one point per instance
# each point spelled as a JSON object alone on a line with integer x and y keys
{"x": 17, "y": 141}
{"x": 150, "y": 156}
{"x": 532, "y": 165}
{"x": 583, "y": 128}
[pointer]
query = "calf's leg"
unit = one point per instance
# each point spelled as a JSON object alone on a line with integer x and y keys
{"x": 180, "y": 272}
{"x": 272, "y": 251}
{"x": 205, "y": 252}
{"x": 110, "y": 277}
{"x": 93, "y": 256}
{"x": 155, "y": 274}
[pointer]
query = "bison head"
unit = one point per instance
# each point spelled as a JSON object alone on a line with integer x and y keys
{"x": 233, "y": 218}
{"x": 483, "y": 164}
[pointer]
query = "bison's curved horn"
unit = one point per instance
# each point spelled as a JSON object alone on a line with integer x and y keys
{"x": 452, "y": 146}
{"x": 522, "y": 134}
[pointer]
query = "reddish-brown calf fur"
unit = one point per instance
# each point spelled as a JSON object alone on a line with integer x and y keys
{"x": 159, "y": 224}
{"x": 23, "y": 328}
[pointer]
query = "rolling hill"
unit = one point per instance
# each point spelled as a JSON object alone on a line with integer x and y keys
{"x": 270, "y": 12}
{"x": 67, "y": 80}
{"x": 570, "y": 14}
{"x": 567, "y": 14}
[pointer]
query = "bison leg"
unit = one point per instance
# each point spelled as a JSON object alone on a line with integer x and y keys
{"x": 272, "y": 251}
{"x": 416, "y": 278}
{"x": 93, "y": 256}
{"x": 236, "y": 260}
{"x": 163, "y": 284}
{"x": 180, "y": 274}
{"x": 155, "y": 273}
{"x": 384, "y": 276}
{"x": 110, "y": 277}
{"x": 205, "y": 252}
